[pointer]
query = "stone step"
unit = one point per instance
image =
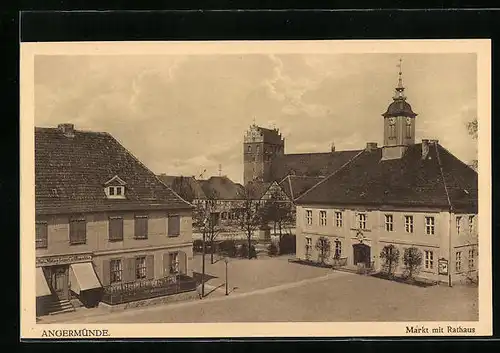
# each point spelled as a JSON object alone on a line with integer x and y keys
{"x": 60, "y": 306}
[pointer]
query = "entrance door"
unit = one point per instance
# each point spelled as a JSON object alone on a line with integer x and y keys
{"x": 361, "y": 254}
{"x": 60, "y": 281}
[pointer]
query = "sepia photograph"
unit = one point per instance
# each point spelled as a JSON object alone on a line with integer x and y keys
{"x": 339, "y": 188}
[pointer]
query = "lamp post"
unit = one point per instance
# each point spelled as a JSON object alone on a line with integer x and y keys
{"x": 226, "y": 260}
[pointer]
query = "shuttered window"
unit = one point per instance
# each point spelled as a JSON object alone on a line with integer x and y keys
{"x": 41, "y": 235}
{"x": 115, "y": 228}
{"x": 78, "y": 230}
{"x": 141, "y": 227}
{"x": 174, "y": 226}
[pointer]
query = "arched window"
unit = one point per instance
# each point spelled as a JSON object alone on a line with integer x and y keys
{"x": 408, "y": 129}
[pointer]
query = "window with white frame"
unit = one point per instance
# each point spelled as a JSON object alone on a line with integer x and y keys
{"x": 458, "y": 261}
{"x": 458, "y": 220}
{"x": 338, "y": 249}
{"x": 429, "y": 259}
{"x": 471, "y": 224}
{"x": 389, "y": 223}
{"x": 362, "y": 220}
{"x": 409, "y": 224}
{"x": 116, "y": 270}
{"x": 429, "y": 225}
{"x": 322, "y": 218}
{"x": 471, "y": 258}
{"x": 338, "y": 219}
{"x": 140, "y": 267}
{"x": 309, "y": 217}
{"x": 308, "y": 246}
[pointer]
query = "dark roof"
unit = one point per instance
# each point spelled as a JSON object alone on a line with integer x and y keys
{"x": 410, "y": 181}
{"x": 222, "y": 188}
{"x": 257, "y": 189}
{"x": 295, "y": 185}
{"x": 270, "y": 135}
{"x": 70, "y": 173}
{"x": 399, "y": 107}
{"x": 309, "y": 164}
{"x": 186, "y": 186}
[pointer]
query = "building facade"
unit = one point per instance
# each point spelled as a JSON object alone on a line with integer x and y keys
{"x": 105, "y": 225}
{"x": 404, "y": 194}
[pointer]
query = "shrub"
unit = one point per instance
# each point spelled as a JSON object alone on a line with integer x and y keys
{"x": 227, "y": 247}
{"x": 287, "y": 244}
{"x": 243, "y": 251}
{"x": 390, "y": 257}
{"x": 272, "y": 249}
{"x": 412, "y": 260}
{"x": 197, "y": 245}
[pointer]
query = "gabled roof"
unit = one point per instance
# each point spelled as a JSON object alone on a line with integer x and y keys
{"x": 222, "y": 188}
{"x": 295, "y": 185}
{"x": 309, "y": 164}
{"x": 440, "y": 180}
{"x": 257, "y": 189}
{"x": 186, "y": 186}
{"x": 71, "y": 170}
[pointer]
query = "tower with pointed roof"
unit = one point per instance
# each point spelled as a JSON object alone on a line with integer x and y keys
{"x": 399, "y": 123}
{"x": 260, "y": 147}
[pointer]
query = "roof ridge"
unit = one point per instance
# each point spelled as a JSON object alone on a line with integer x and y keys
{"x": 90, "y": 132}
{"x": 312, "y": 153}
{"x": 451, "y": 154}
{"x": 147, "y": 169}
{"x": 332, "y": 174}
{"x": 442, "y": 175}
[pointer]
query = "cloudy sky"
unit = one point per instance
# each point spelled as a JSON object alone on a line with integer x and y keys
{"x": 184, "y": 114}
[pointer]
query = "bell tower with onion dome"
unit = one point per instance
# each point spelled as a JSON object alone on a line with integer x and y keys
{"x": 399, "y": 123}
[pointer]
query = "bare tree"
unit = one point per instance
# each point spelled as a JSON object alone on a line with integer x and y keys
{"x": 472, "y": 129}
{"x": 250, "y": 216}
{"x": 324, "y": 247}
{"x": 206, "y": 219}
{"x": 390, "y": 255}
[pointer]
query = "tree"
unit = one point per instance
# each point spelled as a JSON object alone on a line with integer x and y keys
{"x": 206, "y": 220}
{"x": 412, "y": 259}
{"x": 279, "y": 212}
{"x": 250, "y": 217}
{"x": 390, "y": 256}
{"x": 324, "y": 248}
{"x": 472, "y": 129}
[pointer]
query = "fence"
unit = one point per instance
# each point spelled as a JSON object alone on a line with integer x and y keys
{"x": 139, "y": 290}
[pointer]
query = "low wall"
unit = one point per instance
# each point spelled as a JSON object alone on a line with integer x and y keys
{"x": 186, "y": 296}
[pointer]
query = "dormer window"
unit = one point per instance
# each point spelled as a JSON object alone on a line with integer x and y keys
{"x": 115, "y": 188}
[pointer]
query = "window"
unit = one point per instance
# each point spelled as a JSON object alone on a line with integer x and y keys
{"x": 116, "y": 271}
{"x": 338, "y": 219}
{"x": 223, "y": 215}
{"x": 308, "y": 246}
{"x": 249, "y": 148}
{"x": 140, "y": 267}
{"x": 338, "y": 249}
{"x": 392, "y": 129}
{"x": 429, "y": 260}
{"x": 408, "y": 129}
{"x": 429, "y": 225}
{"x": 471, "y": 224}
{"x": 78, "y": 231}
{"x": 458, "y": 261}
{"x": 115, "y": 228}
{"x": 409, "y": 224}
{"x": 141, "y": 227}
{"x": 174, "y": 226}
{"x": 322, "y": 218}
{"x": 257, "y": 148}
{"x": 173, "y": 261}
{"x": 119, "y": 190}
{"x": 41, "y": 235}
{"x": 471, "y": 258}
{"x": 309, "y": 217}
{"x": 362, "y": 220}
{"x": 458, "y": 220}
{"x": 115, "y": 192}
{"x": 389, "y": 223}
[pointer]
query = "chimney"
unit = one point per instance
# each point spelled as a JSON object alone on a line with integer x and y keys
{"x": 425, "y": 148}
{"x": 371, "y": 146}
{"x": 67, "y": 129}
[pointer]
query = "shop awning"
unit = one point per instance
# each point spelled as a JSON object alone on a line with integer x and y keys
{"x": 82, "y": 277}
{"x": 42, "y": 288}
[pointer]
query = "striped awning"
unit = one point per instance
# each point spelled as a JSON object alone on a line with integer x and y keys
{"x": 82, "y": 277}
{"x": 42, "y": 288}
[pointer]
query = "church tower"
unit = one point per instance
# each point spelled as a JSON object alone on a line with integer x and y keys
{"x": 399, "y": 124}
{"x": 260, "y": 147}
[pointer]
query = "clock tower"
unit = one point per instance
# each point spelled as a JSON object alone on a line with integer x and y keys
{"x": 399, "y": 124}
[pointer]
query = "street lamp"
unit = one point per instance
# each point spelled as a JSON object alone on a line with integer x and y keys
{"x": 226, "y": 260}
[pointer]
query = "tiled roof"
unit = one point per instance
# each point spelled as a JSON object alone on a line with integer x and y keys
{"x": 270, "y": 135}
{"x": 70, "y": 173}
{"x": 222, "y": 187}
{"x": 295, "y": 185}
{"x": 186, "y": 186}
{"x": 309, "y": 164}
{"x": 410, "y": 181}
